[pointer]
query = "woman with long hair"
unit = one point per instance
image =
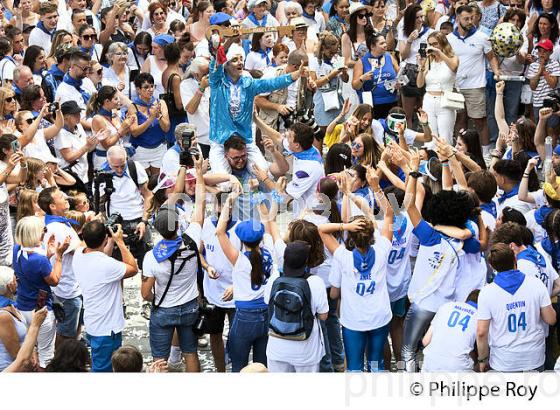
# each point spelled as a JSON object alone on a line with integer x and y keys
{"x": 339, "y": 158}
{"x": 27, "y": 204}
{"x": 202, "y": 12}
{"x": 414, "y": 31}
{"x": 252, "y": 269}
{"x": 34, "y": 58}
{"x": 345, "y": 131}
{"x": 87, "y": 39}
{"x": 71, "y": 356}
{"x": 105, "y": 108}
{"x": 8, "y": 106}
{"x": 338, "y": 23}
{"x": 171, "y": 78}
{"x": 360, "y": 283}
{"x": 437, "y": 73}
{"x": 365, "y": 150}
{"x": 381, "y": 25}
{"x": 545, "y": 28}
{"x": 138, "y": 51}
{"x": 24, "y": 16}
{"x": 260, "y": 57}
{"x": 373, "y": 74}
{"x": 156, "y": 63}
{"x": 354, "y": 45}
{"x": 468, "y": 143}
{"x": 60, "y": 38}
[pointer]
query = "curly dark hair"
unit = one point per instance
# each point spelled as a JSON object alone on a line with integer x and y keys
{"x": 511, "y": 232}
{"x": 302, "y": 230}
{"x": 70, "y": 357}
{"x": 361, "y": 239}
{"x": 450, "y": 208}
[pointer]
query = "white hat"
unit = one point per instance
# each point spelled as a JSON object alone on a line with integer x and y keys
{"x": 355, "y": 6}
{"x": 298, "y": 22}
{"x": 254, "y": 3}
{"x": 235, "y": 50}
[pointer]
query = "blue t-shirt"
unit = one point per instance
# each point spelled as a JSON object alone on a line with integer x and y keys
{"x": 31, "y": 273}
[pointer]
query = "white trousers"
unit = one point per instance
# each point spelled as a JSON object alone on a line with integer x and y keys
{"x": 46, "y": 338}
{"x": 441, "y": 120}
{"x": 275, "y": 366}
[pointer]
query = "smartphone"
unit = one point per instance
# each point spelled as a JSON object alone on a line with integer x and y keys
{"x": 41, "y": 299}
{"x": 422, "y": 50}
{"x": 89, "y": 20}
{"x": 15, "y": 145}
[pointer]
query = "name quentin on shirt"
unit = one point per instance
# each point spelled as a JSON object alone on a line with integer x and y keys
{"x": 515, "y": 305}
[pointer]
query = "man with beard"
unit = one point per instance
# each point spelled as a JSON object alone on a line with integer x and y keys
{"x": 71, "y": 87}
{"x": 471, "y": 46}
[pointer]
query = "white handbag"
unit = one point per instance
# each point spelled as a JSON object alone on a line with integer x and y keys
{"x": 526, "y": 94}
{"x": 331, "y": 100}
{"x": 452, "y": 100}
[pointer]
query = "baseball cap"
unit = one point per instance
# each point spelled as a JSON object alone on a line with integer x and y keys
{"x": 164, "y": 39}
{"x": 296, "y": 255}
{"x": 167, "y": 221}
{"x": 254, "y": 3}
{"x": 249, "y": 231}
{"x": 70, "y": 107}
{"x": 546, "y": 44}
{"x": 557, "y": 150}
{"x": 220, "y": 18}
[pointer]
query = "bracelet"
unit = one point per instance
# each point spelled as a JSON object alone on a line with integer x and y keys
{"x": 414, "y": 174}
{"x": 499, "y": 93}
{"x": 423, "y": 124}
{"x": 199, "y": 92}
{"x": 445, "y": 161}
{"x": 445, "y": 164}
{"x": 484, "y": 360}
{"x": 525, "y": 175}
{"x": 341, "y": 227}
{"x": 264, "y": 180}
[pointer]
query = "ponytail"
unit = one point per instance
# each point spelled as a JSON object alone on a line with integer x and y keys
{"x": 257, "y": 272}
{"x": 92, "y": 105}
{"x": 107, "y": 92}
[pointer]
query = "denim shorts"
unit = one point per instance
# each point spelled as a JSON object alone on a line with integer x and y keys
{"x": 73, "y": 317}
{"x": 163, "y": 321}
{"x": 398, "y": 307}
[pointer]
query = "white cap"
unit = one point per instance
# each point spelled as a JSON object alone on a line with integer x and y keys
{"x": 355, "y": 6}
{"x": 235, "y": 50}
{"x": 254, "y": 3}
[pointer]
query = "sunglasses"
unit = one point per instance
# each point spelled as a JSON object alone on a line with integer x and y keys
{"x": 29, "y": 120}
{"x": 99, "y": 72}
{"x": 362, "y": 15}
{"x": 89, "y": 37}
{"x": 356, "y": 145}
{"x": 239, "y": 158}
{"x": 10, "y": 99}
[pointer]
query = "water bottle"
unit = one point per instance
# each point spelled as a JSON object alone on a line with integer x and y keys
{"x": 548, "y": 156}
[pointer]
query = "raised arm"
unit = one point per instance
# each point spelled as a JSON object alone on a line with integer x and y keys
{"x": 499, "y": 111}
{"x": 230, "y": 251}
{"x": 523, "y": 193}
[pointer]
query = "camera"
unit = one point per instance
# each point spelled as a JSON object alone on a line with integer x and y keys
{"x": 54, "y": 107}
{"x": 309, "y": 120}
{"x": 204, "y": 310}
{"x": 186, "y": 139}
{"x": 112, "y": 221}
{"x": 552, "y": 101}
{"x": 422, "y": 50}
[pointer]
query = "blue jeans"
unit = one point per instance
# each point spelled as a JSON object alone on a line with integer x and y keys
{"x": 370, "y": 342}
{"x": 511, "y": 98}
{"x": 102, "y": 348}
{"x": 334, "y": 349}
{"x": 248, "y": 330}
{"x": 163, "y": 321}
{"x": 72, "y": 317}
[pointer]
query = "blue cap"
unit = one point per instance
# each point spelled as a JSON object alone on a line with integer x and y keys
{"x": 246, "y": 231}
{"x": 220, "y": 18}
{"x": 164, "y": 39}
{"x": 557, "y": 150}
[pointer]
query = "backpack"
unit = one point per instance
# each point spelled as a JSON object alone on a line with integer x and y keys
{"x": 289, "y": 309}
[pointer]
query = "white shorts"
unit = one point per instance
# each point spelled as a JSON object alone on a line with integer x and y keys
{"x": 46, "y": 338}
{"x": 150, "y": 157}
{"x": 275, "y": 366}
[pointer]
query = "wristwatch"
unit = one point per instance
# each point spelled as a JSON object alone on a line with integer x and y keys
{"x": 144, "y": 221}
{"x": 414, "y": 174}
{"x": 484, "y": 360}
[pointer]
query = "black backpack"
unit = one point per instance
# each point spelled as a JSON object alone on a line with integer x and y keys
{"x": 289, "y": 309}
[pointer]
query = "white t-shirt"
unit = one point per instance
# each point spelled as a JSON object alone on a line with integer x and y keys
{"x": 201, "y": 117}
{"x": 546, "y": 274}
{"x": 453, "y": 338}
{"x": 415, "y": 46}
{"x": 471, "y": 52}
{"x": 38, "y": 147}
{"x": 214, "y": 288}
{"x": 433, "y": 279}
{"x": 38, "y": 37}
{"x": 516, "y": 336}
{"x": 75, "y": 141}
{"x": 66, "y": 92}
{"x": 538, "y": 231}
{"x": 7, "y": 67}
{"x": 127, "y": 199}
{"x": 515, "y": 203}
{"x": 365, "y": 301}
{"x": 257, "y": 61}
{"x": 301, "y": 352}
{"x": 67, "y": 287}
{"x": 183, "y": 288}
{"x": 398, "y": 261}
{"x": 100, "y": 278}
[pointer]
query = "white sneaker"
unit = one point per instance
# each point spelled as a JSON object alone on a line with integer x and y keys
{"x": 177, "y": 367}
{"x": 202, "y": 341}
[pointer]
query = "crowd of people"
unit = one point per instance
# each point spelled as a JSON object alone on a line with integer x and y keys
{"x": 416, "y": 165}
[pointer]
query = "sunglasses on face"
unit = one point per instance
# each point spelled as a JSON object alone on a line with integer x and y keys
{"x": 10, "y": 99}
{"x": 99, "y": 72}
{"x": 355, "y": 145}
{"x": 89, "y": 37}
{"x": 362, "y": 15}
{"x": 29, "y": 120}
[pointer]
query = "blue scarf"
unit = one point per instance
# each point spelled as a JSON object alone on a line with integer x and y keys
{"x": 312, "y": 154}
{"x": 16, "y": 89}
{"x": 530, "y": 254}
{"x": 339, "y": 19}
{"x": 423, "y": 31}
{"x": 87, "y": 50}
{"x": 56, "y": 72}
{"x": 165, "y": 248}
{"x": 266, "y": 259}
{"x": 176, "y": 148}
{"x": 309, "y": 16}
{"x": 471, "y": 303}
{"x": 553, "y": 250}
{"x": 61, "y": 219}
{"x": 490, "y": 207}
{"x": 41, "y": 26}
{"x": 541, "y": 214}
{"x": 107, "y": 167}
{"x": 508, "y": 195}
{"x": 364, "y": 263}
{"x": 265, "y": 55}
{"x": 231, "y": 223}
{"x": 106, "y": 113}
{"x": 509, "y": 280}
{"x": 142, "y": 103}
{"x": 77, "y": 84}
{"x": 470, "y": 33}
{"x": 8, "y": 117}
{"x": 253, "y": 18}
{"x": 5, "y": 302}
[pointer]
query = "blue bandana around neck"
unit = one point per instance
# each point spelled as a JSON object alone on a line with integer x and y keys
{"x": 265, "y": 54}
{"x": 471, "y": 303}
{"x": 423, "y": 31}
{"x": 364, "y": 263}
{"x": 339, "y": 19}
{"x": 77, "y": 84}
{"x": 541, "y": 214}
{"x": 41, "y": 26}
{"x": 60, "y": 219}
{"x": 231, "y": 223}
{"x": 5, "y": 302}
{"x": 176, "y": 148}
{"x": 106, "y": 113}
{"x": 142, "y": 103}
{"x": 266, "y": 259}
{"x": 510, "y": 280}
{"x": 312, "y": 154}
{"x": 508, "y": 195}
{"x": 8, "y": 117}
{"x": 16, "y": 89}
{"x": 490, "y": 207}
{"x": 253, "y": 18}
{"x": 309, "y": 16}
{"x": 553, "y": 250}
{"x": 470, "y": 33}
{"x": 10, "y": 58}
{"x": 165, "y": 248}
{"x": 107, "y": 167}
{"x": 530, "y": 254}
{"x": 87, "y": 50}
{"x": 56, "y": 72}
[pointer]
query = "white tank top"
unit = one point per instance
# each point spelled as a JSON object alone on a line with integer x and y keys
{"x": 439, "y": 77}
{"x": 156, "y": 73}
